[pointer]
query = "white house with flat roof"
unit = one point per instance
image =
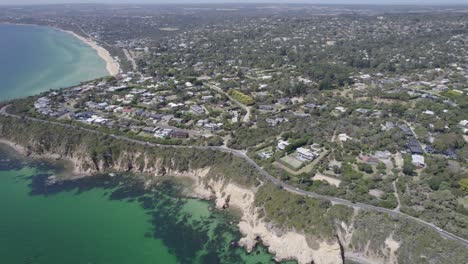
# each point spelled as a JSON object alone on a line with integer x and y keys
{"x": 282, "y": 145}
{"x": 306, "y": 154}
{"x": 418, "y": 161}
{"x": 344, "y": 137}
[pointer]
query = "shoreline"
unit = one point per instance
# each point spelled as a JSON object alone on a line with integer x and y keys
{"x": 242, "y": 199}
{"x": 112, "y": 66}
{"x": 16, "y": 147}
{"x": 22, "y": 151}
{"x": 284, "y": 246}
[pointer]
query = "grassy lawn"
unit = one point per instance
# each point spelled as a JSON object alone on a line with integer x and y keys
{"x": 285, "y": 168}
{"x": 144, "y": 134}
{"x": 298, "y": 170}
{"x": 267, "y": 149}
{"x": 291, "y": 162}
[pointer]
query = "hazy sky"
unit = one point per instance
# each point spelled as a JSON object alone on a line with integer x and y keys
{"x": 418, "y": 2}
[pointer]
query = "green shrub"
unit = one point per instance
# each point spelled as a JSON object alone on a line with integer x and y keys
{"x": 241, "y": 97}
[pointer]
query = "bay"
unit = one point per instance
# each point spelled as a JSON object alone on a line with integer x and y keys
{"x": 105, "y": 219}
{"x": 34, "y": 59}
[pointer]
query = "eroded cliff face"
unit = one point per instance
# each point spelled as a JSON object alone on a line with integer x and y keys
{"x": 367, "y": 237}
{"x": 210, "y": 182}
{"x": 285, "y": 245}
{"x": 85, "y": 164}
{"x": 384, "y": 255}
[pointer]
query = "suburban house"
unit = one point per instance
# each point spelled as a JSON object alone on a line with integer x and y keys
{"x": 311, "y": 106}
{"x": 276, "y": 121}
{"x": 306, "y": 154}
{"x": 266, "y": 107}
{"x": 340, "y": 109}
{"x": 369, "y": 159}
{"x": 414, "y": 146}
{"x": 162, "y": 133}
{"x": 178, "y": 134}
{"x": 282, "y": 145}
{"x": 418, "y": 161}
{"x": 197, "y": 109}
{"x": 149, "y": 130}
{"x": 406, "y": 130}
{"x": 344, "y": 137}
{"x": 266, "y": 154}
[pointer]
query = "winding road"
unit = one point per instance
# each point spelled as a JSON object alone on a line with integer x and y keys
{"x": 265, "y": 174}
{"x": 246, "y": 118}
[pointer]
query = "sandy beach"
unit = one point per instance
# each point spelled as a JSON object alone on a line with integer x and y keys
{"x": 112, "y": 66}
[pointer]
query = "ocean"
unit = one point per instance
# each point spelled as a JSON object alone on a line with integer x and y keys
{"x": 105, "y": 219}
{"x": 101, "y": 219}
{"x": 34, "y": 59}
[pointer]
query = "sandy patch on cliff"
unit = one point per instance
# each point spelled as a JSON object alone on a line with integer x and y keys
{"x": 330, "y": 180}
{"x": 387, "y": 256}
{"x": 393, "y": 246}
{"x": 23, "y": 151}
{"x": 285, "y": 246}
{"x": 18, "y": 148}
{"x": 199, "y": 189}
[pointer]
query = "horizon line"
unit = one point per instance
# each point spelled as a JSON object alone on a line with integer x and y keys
{"x": 210, "y": 2}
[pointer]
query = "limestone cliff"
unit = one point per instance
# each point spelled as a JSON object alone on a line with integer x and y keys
{"x": 285, "y": 245}
{"x": 365, "y": 236}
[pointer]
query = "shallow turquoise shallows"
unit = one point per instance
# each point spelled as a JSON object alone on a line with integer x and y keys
{"x": 34, "y": 59}
{"x": 110, "y": 220}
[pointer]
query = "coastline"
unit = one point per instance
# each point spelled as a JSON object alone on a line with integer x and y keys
{"x": 283, "y": 245}
{"x": 112, "y": 66}
{"x": 18, "y": 148}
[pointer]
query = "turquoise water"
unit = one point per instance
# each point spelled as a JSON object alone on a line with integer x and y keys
{"x": 99, "y": 220}
{"x": 108, "y": 220}
{"x": 34, "y": 59}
